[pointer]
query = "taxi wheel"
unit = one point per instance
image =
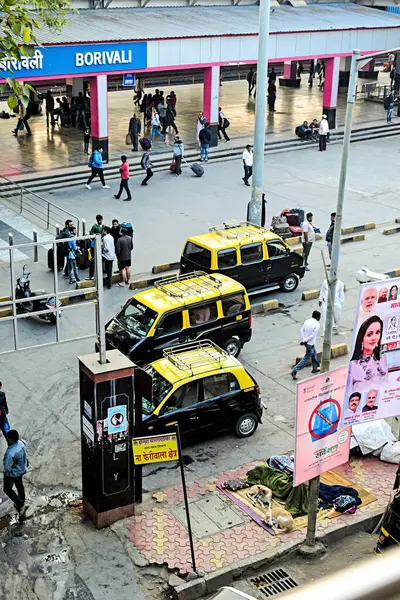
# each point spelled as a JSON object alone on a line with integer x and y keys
{"x": 233, "y": 347}
{"x": 290, "y": 283}
{"x": 246, "y": 425}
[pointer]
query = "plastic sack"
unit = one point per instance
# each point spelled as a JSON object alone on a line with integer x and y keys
{"x": 372, "y": 436}
{"x": 391, "y": 453}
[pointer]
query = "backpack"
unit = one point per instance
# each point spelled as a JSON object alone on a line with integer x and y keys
{"x": 90, "y": 163}
{"x": 142, "y": 161}
{"x": 128, "y": 227}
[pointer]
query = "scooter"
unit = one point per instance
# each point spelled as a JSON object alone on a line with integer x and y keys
{"x": 23, "y": 290}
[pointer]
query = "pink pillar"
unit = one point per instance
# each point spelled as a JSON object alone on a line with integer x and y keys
{"x": 289, "y": 70}
{"x": 211, "y": 100}
{"x": 331, "y": 88}
{"x": 99, "y": 113}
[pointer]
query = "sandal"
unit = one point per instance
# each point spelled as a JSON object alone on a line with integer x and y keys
{"x": 120, "y": 284}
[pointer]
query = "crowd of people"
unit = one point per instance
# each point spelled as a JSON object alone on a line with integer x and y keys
{"x": 117, "y": 244}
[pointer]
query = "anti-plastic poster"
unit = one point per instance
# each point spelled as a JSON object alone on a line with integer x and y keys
{"x": 373, "y": 385}
{"x": 321, "y": 442}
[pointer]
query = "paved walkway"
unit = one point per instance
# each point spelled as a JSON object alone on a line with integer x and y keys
{"x": 160, "y": 532}
{"x": 63, "y": 147}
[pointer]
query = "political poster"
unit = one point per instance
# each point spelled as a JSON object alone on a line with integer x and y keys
{"x": 322, "y": 443}
{"x": 373, "y": 384}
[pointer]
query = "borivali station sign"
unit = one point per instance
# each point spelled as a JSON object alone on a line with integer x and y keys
{"x": 77, "y": 60}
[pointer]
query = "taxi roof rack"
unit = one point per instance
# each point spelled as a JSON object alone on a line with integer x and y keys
{"x": 180, "y": 286}
{"x": 232, "y": 229}
{"x": 211, "y": 355}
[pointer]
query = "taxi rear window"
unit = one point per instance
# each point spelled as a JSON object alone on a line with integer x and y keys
{"x": 137, "y": 317}
{"x": 197, "y": 254}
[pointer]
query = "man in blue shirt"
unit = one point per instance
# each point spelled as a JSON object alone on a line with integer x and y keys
{"x": 14, "y": 468}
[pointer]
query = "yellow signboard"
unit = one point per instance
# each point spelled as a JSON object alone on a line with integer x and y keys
{"x": 155, "y": 449}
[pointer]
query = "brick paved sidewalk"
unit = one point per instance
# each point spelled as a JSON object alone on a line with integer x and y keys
{"x": 161, "y": 537}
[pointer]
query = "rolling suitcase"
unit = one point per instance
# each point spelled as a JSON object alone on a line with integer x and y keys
{"x": 196, "y": 168}
{"x": 60, "y": 258}
{"x": 145, "y": 143}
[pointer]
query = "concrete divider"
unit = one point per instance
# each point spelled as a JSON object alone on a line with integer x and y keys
{"x": 391, "y": 231}
{"x": 395, "y": 273}
{"x": 397, "y": 220}
{"x": 336, "y": 350}
{"x": 165, "y": 267}
{"x": 6, "y": 311}
{"x": 353, "y": 238}
{"x": 310, "y": 295}
{"x": 355, "y": 228}
{"x": 297, "y": 239}
{"x": 264, "y": 307}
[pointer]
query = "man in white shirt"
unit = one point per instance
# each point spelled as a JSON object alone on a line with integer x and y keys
{"x": 307, "y": 238}
{"x": 323, "y": 133}
{"x": 309, "y": 333}
{"x": 247, "y": 157}
{"x": 108, "y": 254}
{"x": 337, "y": 309}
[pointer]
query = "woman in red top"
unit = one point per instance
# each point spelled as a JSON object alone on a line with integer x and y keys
{"x": 124, "y": 170}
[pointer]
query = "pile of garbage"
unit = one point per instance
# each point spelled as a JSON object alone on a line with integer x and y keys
{"x": 376, "y": 438}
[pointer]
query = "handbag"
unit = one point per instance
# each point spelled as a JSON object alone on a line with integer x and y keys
{"x": 128, "y": 139}
{"x": 21, "y": 126}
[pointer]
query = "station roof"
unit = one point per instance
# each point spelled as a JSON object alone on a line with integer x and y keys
{"x": 134, "y": 24}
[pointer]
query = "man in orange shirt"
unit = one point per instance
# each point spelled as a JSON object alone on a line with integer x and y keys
{"x": 124, "y": 170}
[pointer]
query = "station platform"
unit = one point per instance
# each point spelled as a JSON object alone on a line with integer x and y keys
{"x": 62, "y": 147}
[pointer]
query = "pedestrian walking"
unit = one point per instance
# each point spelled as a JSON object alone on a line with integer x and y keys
{"x": 124, "y": 183}
{"x": 145, "y": 163}
{"x": 204, "y": 139}
{"x": 134, "y": 129}
{"x": 223, "y": 124}
{"x": 309, "y": 333}
{"x": 247, "y": 158}
{"x": 65, "y": 234}
{"x": 155, "y": 125}
{"x": 73, "y": 250}
{"x": 108, "y": 255}
{"x": 250, "y": 80}
{"x": 86, "y": 141}
{"x": 337, "y": 305}
{"x": 311, "y": 74}
{"x": 80, "y": 110}
{"x": 173, "y": 98}
{"x": 123, "y": 250}
{"x": 96, "y": 164}
{"x": 15, "y": 464}
{"x": 170, "y": 116}
{"x": 162, "y": 113}
{"x": 23, "y": 117}
{"x": 271, "y": 97}
{"x": 138, "y": 92}
{"x": 178, "y": 155}
{"x": 4, "y": 424}
{"x": 49, "y": 103}
{"x": 329, "y": 234}
{"x": 271, "y": 76}
{"x": 323, "y": 133}
{"x": 389, "y": 105}
{"x": 307, "y": 238}
{"x": 300, "y": 70}
{"x": 201, "y": 121}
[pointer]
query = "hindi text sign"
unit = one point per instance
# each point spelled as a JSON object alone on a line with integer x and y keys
{"x": 155, "y": 449}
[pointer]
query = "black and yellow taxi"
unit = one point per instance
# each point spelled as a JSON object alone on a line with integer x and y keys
{"x": 181, "y": 309}
{"x": 252, "y": 255}
{"x": 201, "y": 387}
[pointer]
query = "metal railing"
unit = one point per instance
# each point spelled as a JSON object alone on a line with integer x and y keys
{"x": 30, "y": 204}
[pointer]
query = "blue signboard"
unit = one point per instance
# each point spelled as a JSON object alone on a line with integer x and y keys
{"x": 117, "y": 419}
{"x": 78, "y": 60}
{"x": 128, "y": 80}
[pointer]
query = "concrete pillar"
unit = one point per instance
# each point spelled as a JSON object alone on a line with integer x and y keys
{"x": 331, "y": 88}
{"x": 368, "y": 71}
{"x": 289, "y": 78}
{"x": 211, "y": 100}
{"x": 99, "y": 113}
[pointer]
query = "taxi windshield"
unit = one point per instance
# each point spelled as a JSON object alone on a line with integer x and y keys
{"x": 137, "y": 317}
{"x": 161, "y": 387}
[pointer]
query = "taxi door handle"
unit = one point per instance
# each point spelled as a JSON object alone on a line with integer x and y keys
{"x": 193, "y": 418}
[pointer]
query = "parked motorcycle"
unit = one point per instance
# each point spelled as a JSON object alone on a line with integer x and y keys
{"x": 23, "y": 290}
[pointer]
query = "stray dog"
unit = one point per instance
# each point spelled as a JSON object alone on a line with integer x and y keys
{"x": 274, "y": 516}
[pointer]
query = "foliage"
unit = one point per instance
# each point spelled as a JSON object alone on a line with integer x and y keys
{"x": 19, "y": 22}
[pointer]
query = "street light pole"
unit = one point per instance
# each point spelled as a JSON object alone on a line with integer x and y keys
{"x": 326, "y": 348}
{"x": 255, "y": 207}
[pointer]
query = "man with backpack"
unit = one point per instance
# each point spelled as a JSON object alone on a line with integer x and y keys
{"x": 223, "y": 124}
{"x": 96, "y": 164}
{"x": 146, "y": 164}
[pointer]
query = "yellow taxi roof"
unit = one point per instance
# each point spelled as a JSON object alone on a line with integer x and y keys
{"x": 232, "y": 236}
{"x": 207, "y": 358}
{"x": 188, "y": 289}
